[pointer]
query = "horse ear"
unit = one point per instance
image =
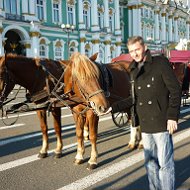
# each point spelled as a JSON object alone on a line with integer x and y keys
{"x": 94, "y": 57}
{"x": 37, "y": 61}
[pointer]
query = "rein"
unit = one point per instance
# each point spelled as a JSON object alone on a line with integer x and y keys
{"x": 85, "y": 95}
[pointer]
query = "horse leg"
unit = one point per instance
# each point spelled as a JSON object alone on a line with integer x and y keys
{"x": 44, "y": 128}
{"x": 93, "y": 127}
{"x": 56, "y": 112}
{"x": 86, "y": 130}
{"x": 139, "y": 138}
{"x": 133, "y": 137}
{"x": 79, "y": 121}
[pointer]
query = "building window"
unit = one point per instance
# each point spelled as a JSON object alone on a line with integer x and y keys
{"x": 100, "y": 20}
{"x": 40, "y": 9}
{"x": 111, "y": 23}
{"x": 42, "y": 51}
{"x": 71, "y": 51}
{"x": 56, "y": 12}
{"x": 101, "y": 55}
{"x": 111, "y": 19}
{"x": 58, "y": 53}
{"x": 70, "y": 15}
{"x": 86, "y": 14}
{"x": 11, "y": 6}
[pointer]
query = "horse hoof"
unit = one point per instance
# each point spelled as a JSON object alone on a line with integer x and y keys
{"x": 78, "y": 162}
{"x": 140, "y": 146}
{"x": 91, "y": 166}
{"x": 58, "y": 155}
{"x": 42, "y": 155}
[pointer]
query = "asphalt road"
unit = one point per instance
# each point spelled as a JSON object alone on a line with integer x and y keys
{"x": 118, "y": 167}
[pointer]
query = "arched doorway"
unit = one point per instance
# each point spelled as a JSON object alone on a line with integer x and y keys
{"x": 13, "y": 44}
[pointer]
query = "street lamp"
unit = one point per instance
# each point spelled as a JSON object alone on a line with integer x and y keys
{"x": 68, "y": 29}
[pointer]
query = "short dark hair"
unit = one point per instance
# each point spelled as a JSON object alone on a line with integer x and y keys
{"x": 134, "y": 39}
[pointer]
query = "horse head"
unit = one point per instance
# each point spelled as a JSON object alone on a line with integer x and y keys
{"x": 6, "y": 84}
{"x": 85, "y": 79}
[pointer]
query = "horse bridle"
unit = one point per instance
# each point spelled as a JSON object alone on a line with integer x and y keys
{"x": 85, "y": 95}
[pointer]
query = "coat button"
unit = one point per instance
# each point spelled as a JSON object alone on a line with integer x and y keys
{"x": 149, "y": 102}
{"x": 148, "y": 85}
{"x": 140, "y": 103}
{"x": 139, "y": 87}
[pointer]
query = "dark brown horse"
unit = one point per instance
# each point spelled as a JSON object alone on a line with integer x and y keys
{"x": 28, "y": 73}
{"x": 84, "y": 69}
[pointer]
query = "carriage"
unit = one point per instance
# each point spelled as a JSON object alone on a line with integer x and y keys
{"x": 180, "y": 60}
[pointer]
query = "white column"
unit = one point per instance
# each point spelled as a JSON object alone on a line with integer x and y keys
{"x": 82, "y": 42}
{"x": 163, "y": 27}
{"x": 95, "y": 42}
{"x": 32, "y": 7}
{"x": 135, "y": 21}
{"x": 187, "y": 29}
{"x": 28, "y": 10}
{"x": 129, "y": 20}
{"x": 170, "y": 28}
{"x": 1, "y": 40}
{"x": 25, "y": 7}
{"x": 106, "y": 16}
{"x": 176, "y": 37}
{"x": 118, "y": 46}
{"x": 107, "y": 43}
{"x": 117, "y": 18}
{"x": 2, "y": 13}
{"x": 34, "y": 33}
{"x": 94, "y": 16}
{"x": 157, "y": 27}
{"x": 80, "y": 14}
{"x": 27, "y": 46}
{"x": 1, "y": 4}
{"x": 139, "y": 32}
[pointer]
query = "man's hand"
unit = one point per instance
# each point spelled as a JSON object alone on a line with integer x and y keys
{"x": 171, "y": 126}
{"x": 108, "y": 111}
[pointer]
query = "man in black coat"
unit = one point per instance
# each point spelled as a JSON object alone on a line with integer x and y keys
{"x": 156, "y": 106}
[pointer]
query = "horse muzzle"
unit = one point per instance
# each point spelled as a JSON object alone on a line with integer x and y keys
{"x": 98, "y": 109}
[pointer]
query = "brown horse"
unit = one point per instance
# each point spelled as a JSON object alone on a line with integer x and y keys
{"x": 84, "y": 69}
{"x": 28, "y": 73}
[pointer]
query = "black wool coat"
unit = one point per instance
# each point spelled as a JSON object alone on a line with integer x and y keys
{"x": 157, "y": 93}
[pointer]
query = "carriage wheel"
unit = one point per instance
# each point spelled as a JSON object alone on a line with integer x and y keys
{"x": 120, "y": 119}
{"x": 8, "y": 117}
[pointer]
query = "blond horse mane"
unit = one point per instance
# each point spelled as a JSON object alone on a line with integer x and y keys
{"x": 83, "y": 68}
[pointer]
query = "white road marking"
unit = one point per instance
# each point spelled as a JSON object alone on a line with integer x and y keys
{"x": 185, "y": 111}
{"x": 28, "y": 113}
{"x": 17, "y": 139}
{"x": 28, "y": 159}
{"x": 115, "y": 168}
{"x": 12, "y": 126}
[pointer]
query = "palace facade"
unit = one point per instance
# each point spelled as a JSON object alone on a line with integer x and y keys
{"x": 33, "y": 27}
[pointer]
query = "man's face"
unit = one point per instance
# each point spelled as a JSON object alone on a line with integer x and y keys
{"x": 137, "y": 51}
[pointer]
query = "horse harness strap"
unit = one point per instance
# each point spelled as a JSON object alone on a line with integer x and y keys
{"x": 105, "y": 78}
{"x": 49, "y": 77}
